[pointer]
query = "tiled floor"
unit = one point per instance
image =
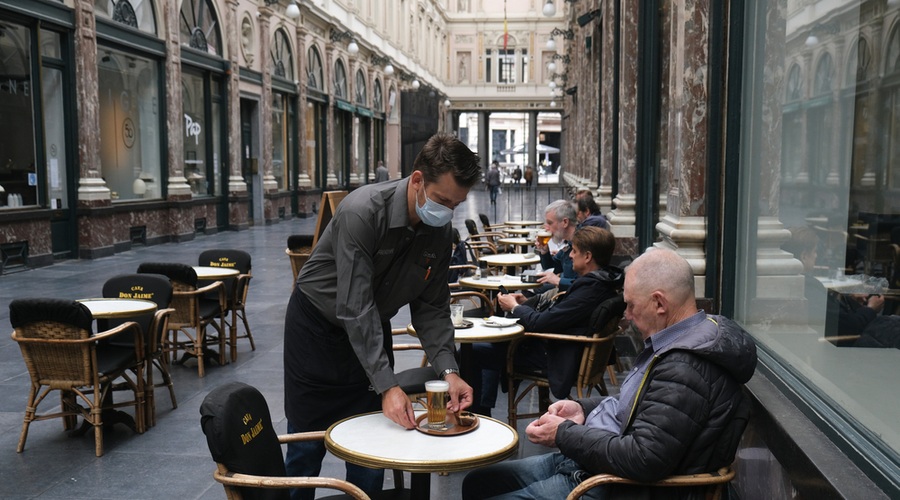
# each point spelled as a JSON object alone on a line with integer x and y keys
{"x": 171, "y": 459}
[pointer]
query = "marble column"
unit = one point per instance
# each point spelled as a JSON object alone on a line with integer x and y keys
{"x": 608, "y": 107}
{"x": 372, "y": 77}
{"x": 622, "y": 218}
{"x": 92, "y": 189}
{"x": 392, "y": 129}
{"x": 355, "y": 125}
{"x": 484, "y": 134}
{"x": 331, "y": 180}
{"x": 270, "y": 185}
{"x": 178, "y": 187}
{"x": 533, "y": 140}
{"x": 238, "y": 203}
{"x": 304, "y": 181}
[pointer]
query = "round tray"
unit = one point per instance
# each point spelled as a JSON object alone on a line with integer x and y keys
{"x": 465, "y": 324}
{"x": 452, "y": 429}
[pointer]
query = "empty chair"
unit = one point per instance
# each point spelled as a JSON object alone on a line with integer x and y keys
{"x": 156, "y": 288}
{"x": 61, "y": 354}
{"x": 299, "y": 248}
{"x": 236, "y": 290}
{"x": 487, "y": 226}
{"x": 238, "y": 427}
{"x": 192, "y": 313}
{"x": 709, "y": 485}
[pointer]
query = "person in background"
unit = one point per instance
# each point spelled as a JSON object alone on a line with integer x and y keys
{"x": 492, "y": 179}
{"x": 517, "y": 175}
{"x": 559, "y": 219}
{"x": 588, "y": 213}
{"x": 681, "y": 409}
{"x": 381, "y": 172}
{"x": 388, "y": 246}
{"x": 529, "y": 176}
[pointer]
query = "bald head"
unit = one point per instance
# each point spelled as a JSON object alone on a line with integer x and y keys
{"x": 659, "y": 290}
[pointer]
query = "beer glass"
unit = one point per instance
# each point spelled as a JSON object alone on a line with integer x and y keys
{"x": 438, "y": 396}
{"x": 544, "y": 237}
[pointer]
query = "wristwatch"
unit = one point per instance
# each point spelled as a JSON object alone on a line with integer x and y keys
{"x": 448, "y": 371}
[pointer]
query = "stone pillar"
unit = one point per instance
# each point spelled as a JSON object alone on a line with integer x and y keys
{"x": 372, "y": 75}
{"x": 355, "y": 126}
{"x": 533, "y": 140}
{"x": 304, "y": 181}
{"x": 92, "y": 189}
{"x": 331, "y": 181}
{"x": 484, "y": 134}
{"x": 392, "y": 129}
{"x": 684, "y": 226}
{"x": 622, "y": 218}
{"x": 608, "y": 107}
{"x": 270, "y": 185}
{"x": 178, "y": 187}
{"x": 238, "y": 203}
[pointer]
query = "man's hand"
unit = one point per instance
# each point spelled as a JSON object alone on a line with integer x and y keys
{"x": 508, "y": 301}
{"x": 549, "y": 277}
{"x": 396, "y": 406}
{"x": 543, "y": 430}
{"x": 460, "y": 393}
{"x": 567, "y": 409}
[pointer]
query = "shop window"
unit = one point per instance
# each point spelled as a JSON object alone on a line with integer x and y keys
{"x": 377, "y": 97}
{"x": 199, "y": 26}
{"x": 361, "y": 92}
{"x": 18, "y": 175}
{"x": 281, "y": 58}
{"x": 129, "y": 125}
{"x": 314, "y": 78}
{"x": 280, "y": 124}
{"x": 134, "y": 13}
{"x": 340, "y": 80}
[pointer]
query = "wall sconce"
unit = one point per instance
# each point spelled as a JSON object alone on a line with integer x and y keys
{"x": 549, "y": 9}
{"x": 447, "y": 103}
{"x": 552, "y": 104}
{"x": 831, "y": 28}
{"x": 551, "y": 67}
{"x": 415, "y": 84}
{"x": 567, "y": 34}
{"x": 292, "y": 11}
{"x": 339, "y": 36}
{"x": 385, "y": 62}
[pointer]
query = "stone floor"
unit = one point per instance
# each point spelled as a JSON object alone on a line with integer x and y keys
{"x": 171, "y": 459}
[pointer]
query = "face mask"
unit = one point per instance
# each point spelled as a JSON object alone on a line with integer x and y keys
{"x": 433, "y": 214}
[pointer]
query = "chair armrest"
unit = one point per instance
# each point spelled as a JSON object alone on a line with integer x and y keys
{"x": 298, "y": 437}
{"x": 721, "y": 476}
{"x": 569, "y": 338}
{"x": 251, "y": 481}
{"x": 208, "y": 288}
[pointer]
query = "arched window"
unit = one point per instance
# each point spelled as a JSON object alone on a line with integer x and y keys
{"x": 377, "y": 97}
{"x": 281, "y": 60}
{"x": 794, "y": 84}
{"x": 361, "y": 91}
{"x": 135, "y": 13}
{"x": 892, "y": 61}
{"x": 823, "y": 83}
{"x": 200, "y": 27}
{"x": 858, "y": 62}
{"x": 340, "y": 80}
{"x": 314, "y": 78}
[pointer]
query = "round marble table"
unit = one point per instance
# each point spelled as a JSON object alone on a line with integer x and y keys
{"x": 107, "y": 308}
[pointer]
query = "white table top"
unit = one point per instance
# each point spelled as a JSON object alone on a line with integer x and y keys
{"x": 520, "y": 231}
{"x": 511, "y": 259}
{"x": 117, "y": 308}
{"x": 207, "y": 272}
{"x": 524, "y": 222}
{"x": 522, "y": 242}
{"x": 494, "y": 282}
{"x": 372, "y": 440}
{"x": 481, "y": 333}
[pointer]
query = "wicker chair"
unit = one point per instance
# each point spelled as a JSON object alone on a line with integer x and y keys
{"x": 236, "y": 290}
{"x": 193, "y": 313}
{"x": 299, "y": 248}
{"x": 61, "y": 354}
{"x": 254, "y": 468}
{"x": 714, "y": 481}
{"x": 594, "y": 359}
{"x": 157, "y": 288}
{"x": 486, "y": 224}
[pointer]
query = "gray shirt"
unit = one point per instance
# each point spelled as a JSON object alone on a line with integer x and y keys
{"x": 381, "y": 173}
{"x": 368, "y": 263}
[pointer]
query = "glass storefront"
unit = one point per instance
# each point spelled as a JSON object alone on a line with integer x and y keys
{"x": 202, "y": 95}
{"x": 18, "y": 175}
{"x": 819, "y": 211}
{"x": 316, "y": 108}
{"x": 130, "y": 125}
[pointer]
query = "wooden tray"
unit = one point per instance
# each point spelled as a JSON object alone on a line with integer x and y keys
{"x": 452, "y": 428}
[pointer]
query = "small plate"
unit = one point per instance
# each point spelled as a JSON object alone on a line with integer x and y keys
{"x": 494, "y": 322}
{"x": 451, "y": 429}
{"x": 465, "y": 324}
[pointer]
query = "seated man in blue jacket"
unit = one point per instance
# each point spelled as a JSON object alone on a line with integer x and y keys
{"x": 597, "y": 281}
{"x": 681, "y": 409}
{"x": 560, "y": 221}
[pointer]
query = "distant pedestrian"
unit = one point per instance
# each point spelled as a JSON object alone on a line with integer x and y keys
{"x": 517, "y": 174}
{"x": 381, "y": 172}
{"x": 529, "y": 176}
{"x": 492, "y": 179}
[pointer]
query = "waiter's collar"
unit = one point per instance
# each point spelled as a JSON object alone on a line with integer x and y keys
{"x": 400, "y": 210}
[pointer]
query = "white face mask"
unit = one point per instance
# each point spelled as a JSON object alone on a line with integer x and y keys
{"x": 433, "y": 214}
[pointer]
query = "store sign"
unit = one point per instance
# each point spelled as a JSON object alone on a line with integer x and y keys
{"x": 192, "y": 128}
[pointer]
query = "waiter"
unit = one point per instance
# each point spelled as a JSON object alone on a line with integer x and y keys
{"x": 387, "y": 246}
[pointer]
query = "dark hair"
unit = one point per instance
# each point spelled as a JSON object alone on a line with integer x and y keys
{"x": 600, "y": 242}
{"x": 444, "y": 153}
{"x": 586, "y": 203}
{"x": 584, "y": 193}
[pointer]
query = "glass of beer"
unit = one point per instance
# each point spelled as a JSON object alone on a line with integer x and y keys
{"x": 438, "y": 396}
{"x": 543, "y": 237}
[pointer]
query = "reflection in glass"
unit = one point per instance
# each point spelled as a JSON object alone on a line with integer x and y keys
{"x": 17, "y": 170}
{"x": 135, "y": 13}
{"x": 195, "y": 128}
{"x": 199, "y": 26}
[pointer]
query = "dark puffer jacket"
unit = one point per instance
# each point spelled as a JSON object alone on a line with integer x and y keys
{"x": 688, "y": 418}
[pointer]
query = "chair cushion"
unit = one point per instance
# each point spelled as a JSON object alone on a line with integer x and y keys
{"x": 114, "y": 358}
{"x": 412, "y": 381}
{"x": 238, "y": 427}
{"x": 209, "y": 308}
{"x": 181, "y": 273}
{"x": 298, "y": 241}
{"x": 25, "y": 311}
{"x": 154, "y": 287}
{"x": 228, "y": 258}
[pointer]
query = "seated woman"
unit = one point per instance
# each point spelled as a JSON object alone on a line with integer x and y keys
{"x": 597, "y": 281}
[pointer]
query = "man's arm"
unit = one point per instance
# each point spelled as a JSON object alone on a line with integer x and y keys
{"x": 573, "y": 311}
{"x": 654, "y": 444}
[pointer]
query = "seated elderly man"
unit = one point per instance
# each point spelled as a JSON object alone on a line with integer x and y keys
{"x": 559, "y": 220}
{"x": 597, "y": 281}
{"x": 681, "y": 409}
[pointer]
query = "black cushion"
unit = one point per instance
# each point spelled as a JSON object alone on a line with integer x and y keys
{"x": 181, "y": 273}
{"x": 238, "y": 427}
{"x": 153, "y": 287}
{"x": 608, "y": 309}
{"x": 227, "y": 258}
{"x": 484, "y": 221}
{"x": 298, "y": 241}
{"x": 471, "y": 227}
{"x": 25, "y": 311}
{"x": 412, "y": 381}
